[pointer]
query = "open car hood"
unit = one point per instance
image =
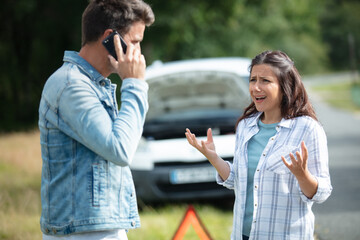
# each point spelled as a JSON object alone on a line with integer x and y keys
{"x": 197, "y": 85}
{"x": 195, "y": 94}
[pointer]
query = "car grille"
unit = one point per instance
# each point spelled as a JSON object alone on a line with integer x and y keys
{"x": 187, "y": 164}
{"x": 192, "y": 187}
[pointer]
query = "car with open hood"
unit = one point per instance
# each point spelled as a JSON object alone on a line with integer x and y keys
{"x": 197, "y": 94}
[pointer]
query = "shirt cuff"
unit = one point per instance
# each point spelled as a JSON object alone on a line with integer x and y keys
{"x": 229, "y": 182}
{"x": 322, "y": 193}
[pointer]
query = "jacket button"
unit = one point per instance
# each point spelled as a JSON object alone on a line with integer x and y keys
{"x": 47, "y": 230}
{"x": 54, "y": 231}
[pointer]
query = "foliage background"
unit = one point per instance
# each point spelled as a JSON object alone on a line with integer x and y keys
{"x": 319, "y": 35}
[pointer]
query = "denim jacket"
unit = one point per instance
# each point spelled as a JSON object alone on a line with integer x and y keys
{"x": 87, "y": 145}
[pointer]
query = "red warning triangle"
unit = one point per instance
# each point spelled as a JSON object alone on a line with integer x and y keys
{"x": 191, "y": 218}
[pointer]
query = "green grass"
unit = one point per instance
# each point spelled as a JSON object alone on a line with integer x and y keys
{"x": 163, "y": 221}
{"x": 20, "y": 167}
{"x": 20, "y": 204}
{"x": 339, "y": 95}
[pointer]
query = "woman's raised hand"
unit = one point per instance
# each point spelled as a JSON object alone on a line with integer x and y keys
{"x": 207, "y": 148}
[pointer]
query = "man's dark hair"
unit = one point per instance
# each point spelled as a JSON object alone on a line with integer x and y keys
{"x": 119, "y": 15}
{"x": 295, "y": 101}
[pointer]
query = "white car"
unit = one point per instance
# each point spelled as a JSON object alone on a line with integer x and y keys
{"x": 196, "y": 94}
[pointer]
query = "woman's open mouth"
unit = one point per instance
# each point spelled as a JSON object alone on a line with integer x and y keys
{"x": 259, "y": 99}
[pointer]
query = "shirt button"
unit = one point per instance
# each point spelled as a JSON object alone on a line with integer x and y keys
{"x": 254, "y": 221}
{"x": 258, "y": 170}
{"x": 132, "y": 194}
{"x": 133, "y": 223}
{"x": 264, "y": 154}
{"x": 256, "y": 186}
{"x": 102, "y": 83}
{"x": 255, "y": 205}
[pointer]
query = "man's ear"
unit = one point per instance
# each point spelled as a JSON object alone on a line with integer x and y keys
{"x": 106, "y": 33}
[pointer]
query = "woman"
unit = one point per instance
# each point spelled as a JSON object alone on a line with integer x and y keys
{"x": 280, "y": 165}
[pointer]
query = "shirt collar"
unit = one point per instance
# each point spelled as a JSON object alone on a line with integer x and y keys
{"x": 90, "y": 71}
{"x": 286, "y": 123}
{"x": 254, "y": 120}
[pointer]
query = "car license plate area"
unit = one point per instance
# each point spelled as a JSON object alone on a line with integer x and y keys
{"x": 192, "y": 175}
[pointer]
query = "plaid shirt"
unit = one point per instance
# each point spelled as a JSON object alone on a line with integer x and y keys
{"x": 281, "y": 210}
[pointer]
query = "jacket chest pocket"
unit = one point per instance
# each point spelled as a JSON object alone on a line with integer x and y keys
{"x": 110, "y": 109}
{"x": 274, "y": 162}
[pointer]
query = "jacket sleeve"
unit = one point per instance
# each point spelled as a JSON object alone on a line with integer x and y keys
{"x": 114, "y": 140}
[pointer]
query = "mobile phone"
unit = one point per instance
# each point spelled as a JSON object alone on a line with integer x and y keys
{"x": 110, "y": 46}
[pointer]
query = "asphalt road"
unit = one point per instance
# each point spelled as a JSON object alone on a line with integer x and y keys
{"x": 339, "y": 216}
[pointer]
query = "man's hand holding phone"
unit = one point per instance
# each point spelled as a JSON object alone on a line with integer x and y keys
{"x": 129, "y": 65}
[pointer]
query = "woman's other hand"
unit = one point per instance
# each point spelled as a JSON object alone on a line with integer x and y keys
{"x": 298, "y": 167}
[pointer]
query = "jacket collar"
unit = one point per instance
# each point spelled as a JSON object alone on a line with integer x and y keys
{"x": 90, "y": 71}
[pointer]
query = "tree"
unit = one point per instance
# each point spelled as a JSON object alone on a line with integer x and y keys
{"x": 196, "y": 29}
{"x": 34, "y": 36}
{"x": 340, "y": 25}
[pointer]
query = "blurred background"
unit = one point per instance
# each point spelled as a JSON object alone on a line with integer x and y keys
{"x": 321, "y": 36}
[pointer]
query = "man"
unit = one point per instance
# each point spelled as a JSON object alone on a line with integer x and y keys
{"x": 87, "y": 144}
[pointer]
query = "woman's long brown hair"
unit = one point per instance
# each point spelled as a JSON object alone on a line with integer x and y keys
{"x": 295, "y": 101}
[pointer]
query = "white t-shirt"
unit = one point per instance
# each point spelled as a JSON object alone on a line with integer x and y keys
{"x": 103, "y": 235}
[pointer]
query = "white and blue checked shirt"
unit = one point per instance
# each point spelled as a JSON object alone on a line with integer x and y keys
{"x": 281, "y": 210}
